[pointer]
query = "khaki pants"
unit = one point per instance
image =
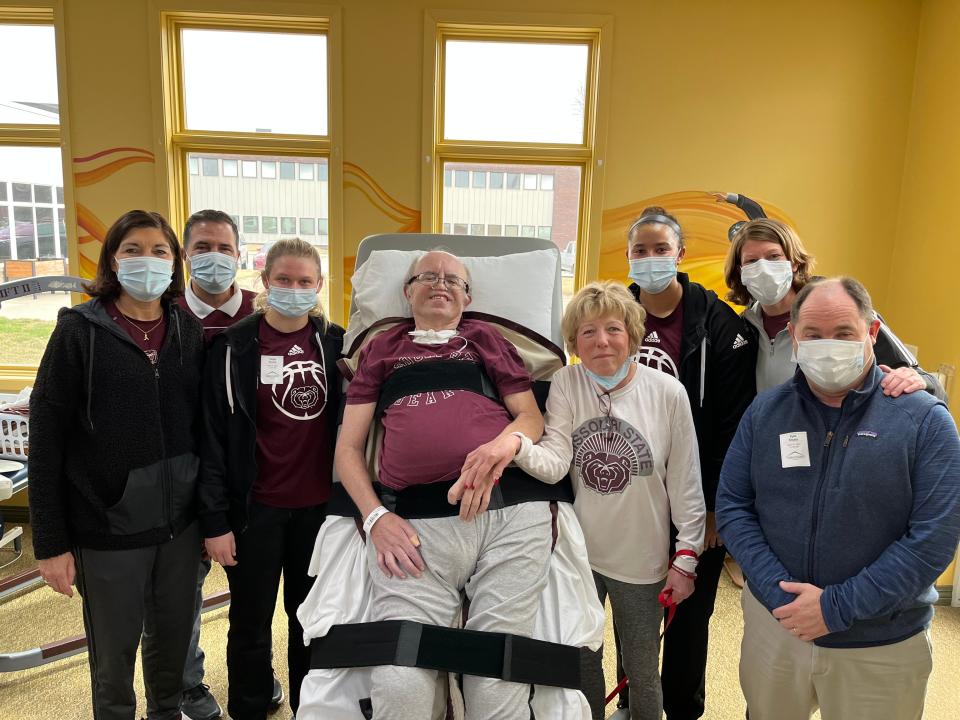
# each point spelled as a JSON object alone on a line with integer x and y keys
{"x": 784, "y": 678}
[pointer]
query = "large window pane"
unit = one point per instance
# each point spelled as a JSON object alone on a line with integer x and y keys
{"x": 288, "y": 171}
{"x": 28, "y": 92}
{"x": 550, "y": 214}
{"x": 515, "y": 91}
{"x": 244, "y": 94}
{"x": 265, "y": 208}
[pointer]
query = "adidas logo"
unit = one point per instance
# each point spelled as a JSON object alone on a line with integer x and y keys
{"x": 652, "y": 338}
{"x": 295, "y": 350}
{"x": 739, "y": 342}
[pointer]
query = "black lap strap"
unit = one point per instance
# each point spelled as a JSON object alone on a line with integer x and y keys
{"x": 430, "y": 500}
{"x": 435, "y": 376}
{"x": 410, "y": 644}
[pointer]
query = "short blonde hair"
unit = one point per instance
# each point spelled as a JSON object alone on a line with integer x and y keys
{"x": 765, "y": 230}
{"x": 603, "y": 299}
{"x": 290, "y": 247}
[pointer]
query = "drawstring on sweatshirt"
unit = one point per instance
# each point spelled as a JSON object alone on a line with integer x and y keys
{"x": 703, "y": 367}
{"x": 226, "y": 376}
{"x": 176, "y": 319}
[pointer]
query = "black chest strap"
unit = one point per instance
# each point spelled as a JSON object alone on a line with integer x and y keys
{"x": 435, "y": 376}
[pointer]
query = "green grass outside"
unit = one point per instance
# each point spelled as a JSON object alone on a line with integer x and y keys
{"x": 22, "y": 342}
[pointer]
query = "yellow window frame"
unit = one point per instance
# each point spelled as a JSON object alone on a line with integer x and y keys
{"x": 16, "y": 376}
{"x": 180, "y": 140}
{"x": 593, "y": 30}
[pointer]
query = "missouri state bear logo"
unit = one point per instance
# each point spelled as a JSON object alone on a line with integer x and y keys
{"x": 609, "y": 453}
{"x": 303, "y": 393}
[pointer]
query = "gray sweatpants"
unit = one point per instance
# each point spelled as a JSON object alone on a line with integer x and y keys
{"x": 500, "y": 560}
{"x": 637, "y": 614}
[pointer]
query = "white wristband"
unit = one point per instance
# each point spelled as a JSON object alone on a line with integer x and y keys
{"x": 375, "y": 514}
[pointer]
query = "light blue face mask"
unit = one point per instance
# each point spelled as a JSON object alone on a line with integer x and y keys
{"x": 145, "y": 278}
{"x": 213, "y": 271}
{"x": 609, "y": 382}
{"x": 291, "y": 303}
{"x": 653, "y": 274}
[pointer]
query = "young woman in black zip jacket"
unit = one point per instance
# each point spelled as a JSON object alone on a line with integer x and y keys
{"x": 113, "y": 468}
{"x": 696, "y": 337}
{"x": 271, "y": 398}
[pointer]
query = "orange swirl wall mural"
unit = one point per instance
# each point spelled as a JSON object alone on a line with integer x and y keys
{"x": 407, "y": 218}
{"x": 705, "y": 220}
{"x": 93, "y": 170}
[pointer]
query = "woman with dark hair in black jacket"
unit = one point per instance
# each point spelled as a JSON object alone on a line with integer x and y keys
{"x": 271, "y": 397}
{"x": 113, "y": 469}
{"x": 697, "y": 338}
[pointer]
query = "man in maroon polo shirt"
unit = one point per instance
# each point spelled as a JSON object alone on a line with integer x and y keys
{"x": 212, "y": 245}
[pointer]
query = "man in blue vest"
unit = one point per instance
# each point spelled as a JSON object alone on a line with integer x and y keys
{"x": 842, "y": 506}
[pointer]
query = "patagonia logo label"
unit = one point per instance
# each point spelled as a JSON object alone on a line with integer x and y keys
{"x": 866, "y": 433}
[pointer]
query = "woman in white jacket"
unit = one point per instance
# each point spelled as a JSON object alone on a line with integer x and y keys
{"x": 625, "y": 434}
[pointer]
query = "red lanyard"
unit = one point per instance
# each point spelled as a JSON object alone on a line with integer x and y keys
{"x": 667, "y": 603}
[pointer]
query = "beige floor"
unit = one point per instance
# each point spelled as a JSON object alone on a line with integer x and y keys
{"x": 62, "y": 690}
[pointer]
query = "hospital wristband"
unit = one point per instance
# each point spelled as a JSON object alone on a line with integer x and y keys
{"x": 375, "y": 514}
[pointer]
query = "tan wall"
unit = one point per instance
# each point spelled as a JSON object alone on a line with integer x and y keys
{"x": 822, "y": 109}
{"x": 923, "y": 275}
{"x": 803, "y": 105}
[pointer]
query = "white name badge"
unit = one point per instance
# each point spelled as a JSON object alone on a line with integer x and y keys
{"x": 793, "y": 450}
{"x": 271, "y": 369}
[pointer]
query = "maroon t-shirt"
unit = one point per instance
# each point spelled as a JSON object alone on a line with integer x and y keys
{"x": 661, "y": 346}
{"x": 218, "y": 321}
{"x": 773, "y": 325}
{"x": 427, "y": 436}
{"x": 294, "y": 456}
{"x": 147, "y": 334}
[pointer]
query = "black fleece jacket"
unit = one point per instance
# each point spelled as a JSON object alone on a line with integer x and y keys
{"x": 229, "y": 419}
{"x": 112, "y": 462}
{"x": 717, "y": 357}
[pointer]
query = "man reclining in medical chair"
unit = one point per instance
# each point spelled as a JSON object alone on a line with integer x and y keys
{"x": 497, "y": 557}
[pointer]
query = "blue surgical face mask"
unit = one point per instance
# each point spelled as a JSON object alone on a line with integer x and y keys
{"x": 292, "y": 303}
{"x": 213, "y": 271}
{"x": 145, "y": 278}
{"x": 653, "y": 274}
{"x": 609, "y": 382}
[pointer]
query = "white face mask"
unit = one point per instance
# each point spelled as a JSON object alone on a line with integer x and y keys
{"x": 832, "y": 364}
{"x": 653, "y": 274}
{"x": 767, "y": 281}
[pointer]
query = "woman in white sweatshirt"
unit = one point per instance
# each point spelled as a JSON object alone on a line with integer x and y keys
{"x": 625, "y": 434}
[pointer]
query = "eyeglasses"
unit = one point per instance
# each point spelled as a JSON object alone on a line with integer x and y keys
{"x": 448, "y": 281}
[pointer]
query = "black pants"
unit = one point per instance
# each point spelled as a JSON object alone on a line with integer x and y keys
{"x": 683, "y": 674}
{"x": 275, "y": 541}
{"x": 128, "y": 592}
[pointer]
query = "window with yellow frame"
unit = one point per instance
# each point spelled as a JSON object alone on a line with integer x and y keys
{"x": 252, "y": 114}
{"x": 33, "y": 219}
{"x": 511, "y": 131}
